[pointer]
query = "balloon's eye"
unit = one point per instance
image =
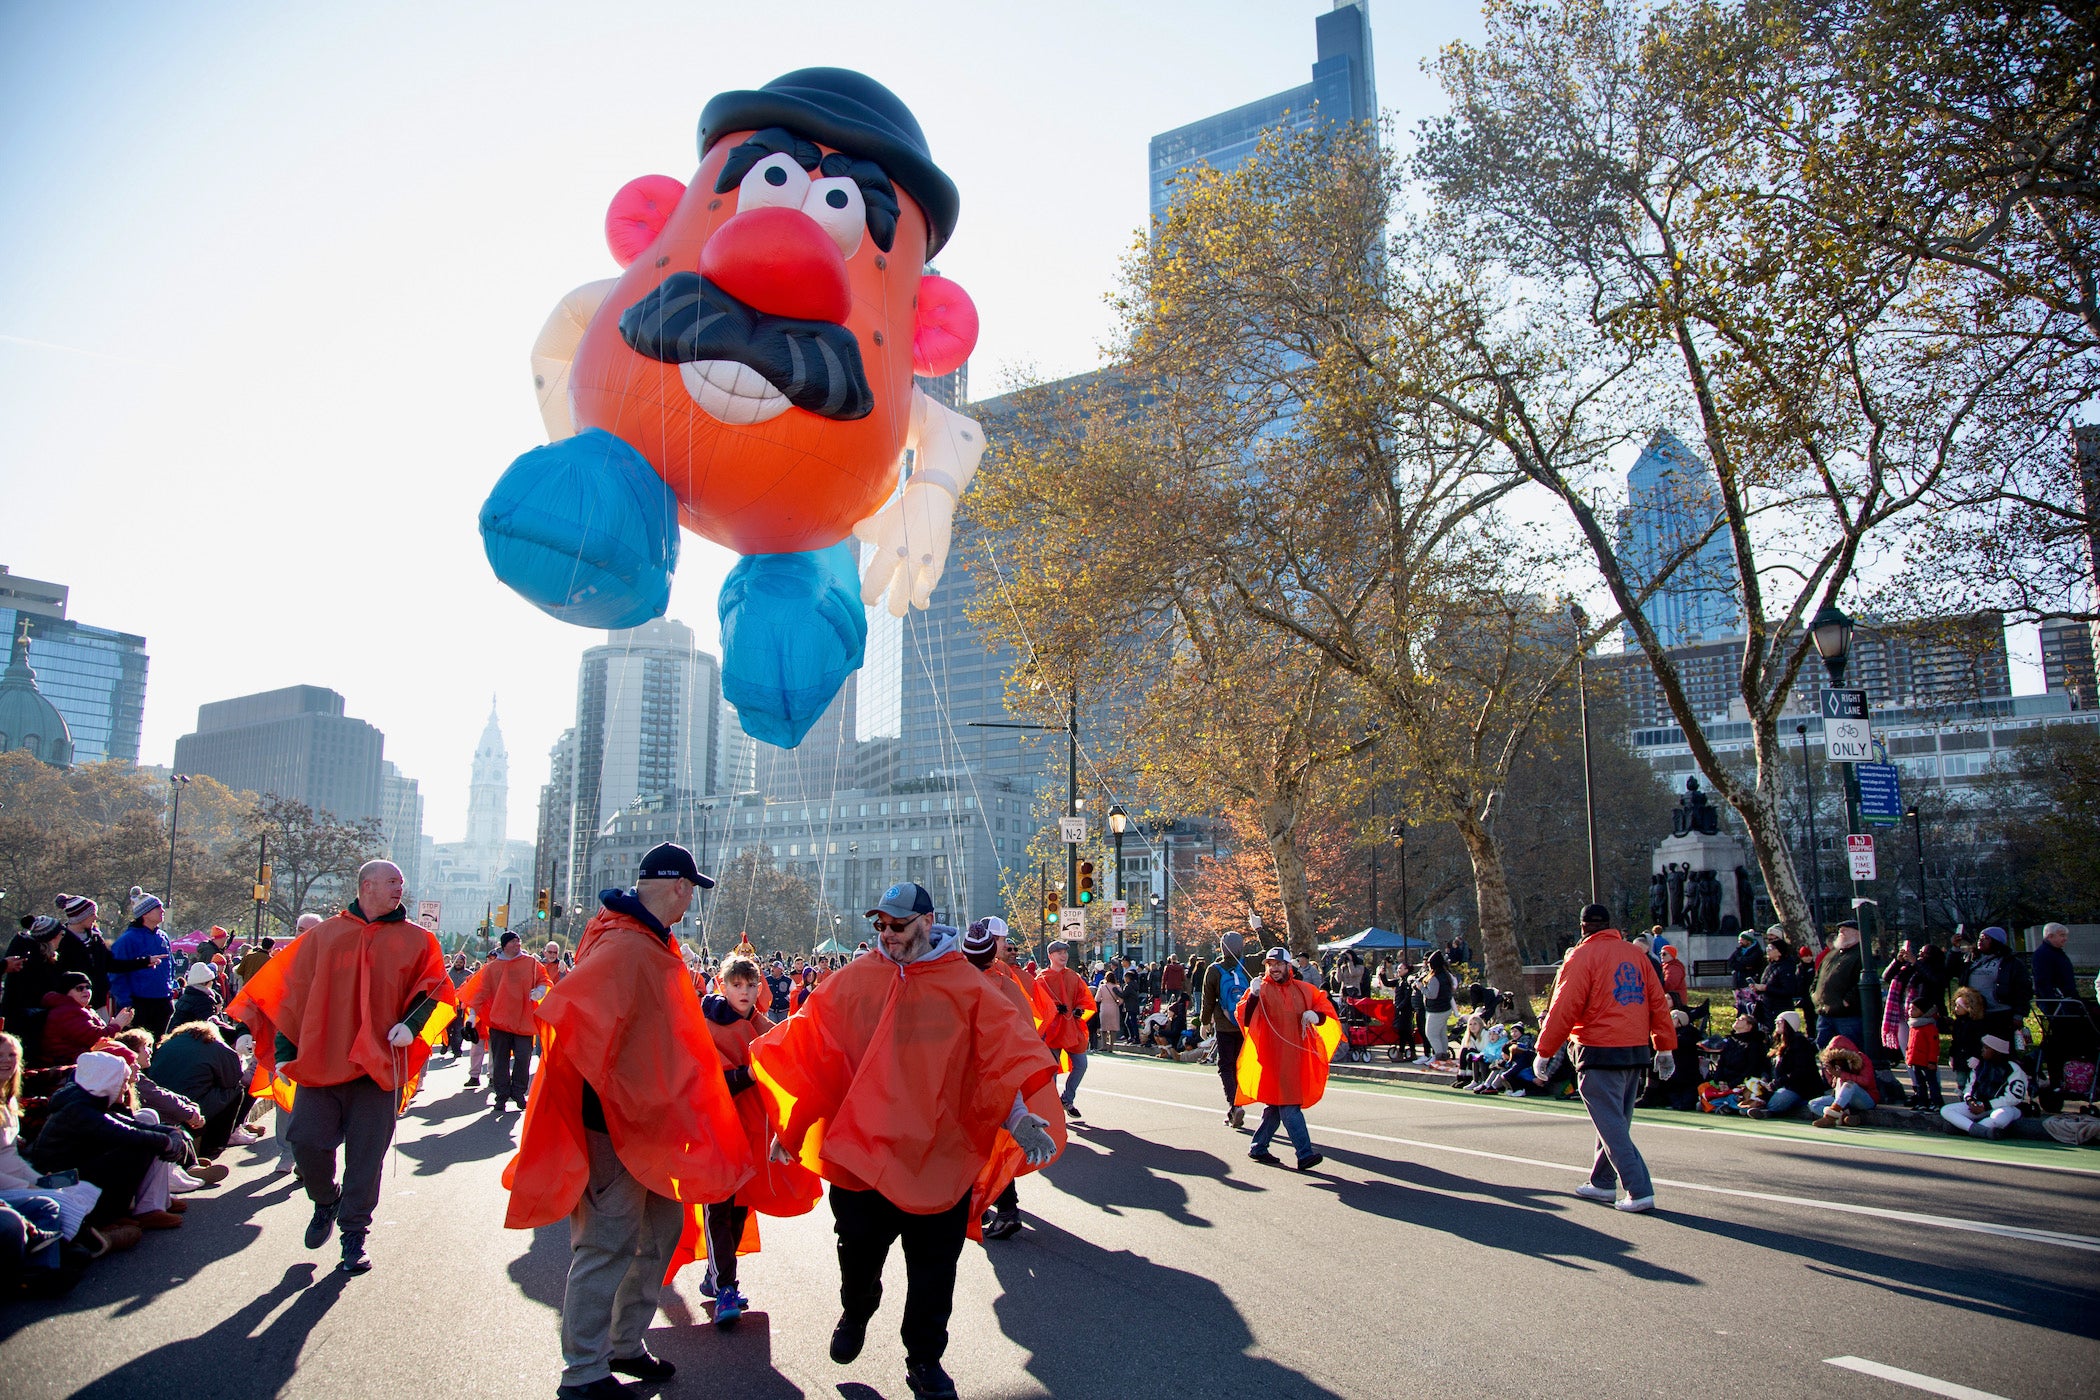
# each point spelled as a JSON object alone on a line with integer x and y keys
{"x": 835, "y": 202}
{"x": 776, "y": 182}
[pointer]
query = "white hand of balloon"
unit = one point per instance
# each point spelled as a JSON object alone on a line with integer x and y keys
{"x": 910, "y": 535}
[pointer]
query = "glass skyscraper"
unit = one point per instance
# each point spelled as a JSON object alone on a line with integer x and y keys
{"x": 1670, "y": 500}
{"x": 94, "y": 676}
{"x": 1343, "y": 88}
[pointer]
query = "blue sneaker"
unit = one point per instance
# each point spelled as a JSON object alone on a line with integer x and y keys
{"x": 729, "y": 1306}
{"x": 793, "y": 629}
{"x": 585, "y": 530}
{"x": 707, "y": 1281}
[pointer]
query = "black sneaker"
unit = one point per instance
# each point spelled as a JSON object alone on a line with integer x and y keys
{"x": 1311, "y": 1160}
{"x": 1236, "y": 1117}
{"x": 322, "y": 1225}
{"x": 646, "y": 1367}
{"x": 474, "y": 1083}
{"x": 1003, "y": 1227}
{"x": 355, "y": 1260}
{"x": 1071, "y": 1111}
{"x": 928, "y": 1381}
{"x": 603, "y": 1388}
{"x": 848, "y": 1338}
{"x": 1267, "y": 1159}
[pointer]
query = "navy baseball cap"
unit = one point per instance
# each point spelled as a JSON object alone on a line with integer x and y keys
{"x": 903, "y": 901}
{"x": 671, "y": 861}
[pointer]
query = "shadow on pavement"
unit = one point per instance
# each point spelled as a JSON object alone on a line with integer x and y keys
{"x": 1516, "y": 1219}
{"x": 738, "y": 1362}
{"x": 226, "y": 1363}
{"x": 541, "y": 1273}
{"x": 1136, "y": 1174}
{"x": 1129, "y": 1299}
{"x": 488, "y": 1135}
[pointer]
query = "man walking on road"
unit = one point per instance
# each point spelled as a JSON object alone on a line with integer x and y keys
{"x": 1609, "y": 1001}
{"x": 1065, "y": 1009}
{"x": 502, "y": 996}
{"x": 1225, "y": 983}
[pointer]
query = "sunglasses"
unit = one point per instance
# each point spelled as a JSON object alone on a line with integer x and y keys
{"x": 892, "y": 926}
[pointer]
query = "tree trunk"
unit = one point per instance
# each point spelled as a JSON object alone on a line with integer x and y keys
{"x": 1504, "y": 965}
{"x": 1769, "y": 843}
{"x": 1279, "y": 824}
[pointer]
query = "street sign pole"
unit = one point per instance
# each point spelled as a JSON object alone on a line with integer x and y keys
{"x": 1848, "y": 739}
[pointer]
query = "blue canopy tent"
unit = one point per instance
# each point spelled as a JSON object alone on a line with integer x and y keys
{"x": 1377, "y": 940}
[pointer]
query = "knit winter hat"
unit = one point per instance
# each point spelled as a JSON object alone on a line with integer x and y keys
{"x": 977, "y": 941}
{"x": 1793, "y": 1018}
{"x": 1998, "y": 1043}
{"x": 101, "y": 1074}
{"x": 72, "y": 906}
{"x": 199, "y": 975}
{"x": 143, "y": 904}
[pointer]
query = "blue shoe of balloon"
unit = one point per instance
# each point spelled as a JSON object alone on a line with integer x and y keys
{"x": 585, "y": 530}
{"x": 793, "y": 629}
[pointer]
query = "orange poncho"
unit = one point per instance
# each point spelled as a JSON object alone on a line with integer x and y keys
{"x": 1281, "y": 1061}
{"x": 1011, "y": 976}
{"x": 775, "y": 1188}
{"x": 1007, "y": 1160}
{"x": 500, "y": 993}
{"x": 1064, "y": 1031}
{"x": 900, "y": 1079}
{"x": 626, "y": 1022}
{"x": 335, "y": 994}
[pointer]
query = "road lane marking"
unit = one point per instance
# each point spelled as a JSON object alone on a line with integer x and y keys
{"x": 1906, "y": 1217}
{"x": 1573, "y": 1113}
{"x": 1910, "y": 1378}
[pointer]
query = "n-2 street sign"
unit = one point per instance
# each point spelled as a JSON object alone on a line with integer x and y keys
{"x": 1848, "y": 736}
{"x": 1072, "y": 830}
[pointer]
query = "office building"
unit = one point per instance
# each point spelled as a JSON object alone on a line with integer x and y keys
{"x": 401, "y": 823}
{"x": 295, "y": 743}
{"x": 556, "y": 819}
{"x": 2067, "y": 660}
{"x": 29, "y": 722}
{"x": 93, "y": 676}
{"x": 1671, "y": 500}
{"x": 1343, "y": 89}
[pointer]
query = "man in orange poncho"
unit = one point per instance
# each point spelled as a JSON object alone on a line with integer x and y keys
{"x": 502, "y": 994}
{"x": 349, "y": 1011}
{"x": 897, "y": 1083}
{"x": 1065, "y": 1006}
{"x": 629, "y": 1123}
{"x": 1291, "y": 1035}
{"x": 997, "y": 1203}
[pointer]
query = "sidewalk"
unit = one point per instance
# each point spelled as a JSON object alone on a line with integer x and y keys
{"x": 1382, "y": 1071}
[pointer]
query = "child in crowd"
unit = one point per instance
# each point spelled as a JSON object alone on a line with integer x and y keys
{"x": 1965, "y": 1042}
{"x": 1992, "y": 1092}
{"x": 1851, "y": 1081}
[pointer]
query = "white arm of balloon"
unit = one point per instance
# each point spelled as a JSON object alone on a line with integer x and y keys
{"x": 556, "y": 346}
{"x": 911, "y": 533}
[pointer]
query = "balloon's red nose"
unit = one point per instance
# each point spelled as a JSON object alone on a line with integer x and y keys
{"x": 781, "y": 262}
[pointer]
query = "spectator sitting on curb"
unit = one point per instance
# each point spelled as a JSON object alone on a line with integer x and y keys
{"x": 1851, "y": 1080}
{"x": 1794, "y": 1078}
{"x": 1743, "y": 1054}
{"x": 1997, "y": 1086}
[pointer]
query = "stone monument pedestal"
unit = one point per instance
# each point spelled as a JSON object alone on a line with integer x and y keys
{"x": 1693, "y": 853}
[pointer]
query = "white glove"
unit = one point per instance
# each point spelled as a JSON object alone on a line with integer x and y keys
{"x": 1665, "y": 1064}
{"x": 780, "y": 1154}
{"x": 910, "y": 535}
{"x": 1033, "y": 1134}
{"x": 1311, "y": 1019}
{"x": 400, "y": 1036}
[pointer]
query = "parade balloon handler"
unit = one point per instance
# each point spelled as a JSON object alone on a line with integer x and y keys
{"x": 630, "y": 1124}
{"x": 1290, "y": 1034}
{"x": 1609, "y": 1000}
{"x": 1064, "y": 1007}
{"x": 349, "y": 1014}
{"x": 905, "y": 1072}
{"x": 502, "y": 994}
{"x": 749, "y": 376}
{"x": 996, "y": 1209}
{"x": 721, "y": 1230}
{"x": 1225, "y": 983}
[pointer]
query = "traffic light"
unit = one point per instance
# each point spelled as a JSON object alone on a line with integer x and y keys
{"x": 540, "y": 909}
{"x": 262, "y": 885}
{"x": 1086, "y": 882}
{"x": 1053, "y": 904}
{"x": 557, "y": 911}
{"x": 502, "y": 919}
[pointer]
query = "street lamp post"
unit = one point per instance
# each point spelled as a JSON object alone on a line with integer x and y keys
{"x": 1815, "y": 857}
{"x": 1917, "y": 831}
{"x": 1400, "y": 839}
{"x": 1831, "y": 632}
{"x": 1118, "y": 823}
{"x": 176, "y": 782}
{"x": 1582, "y": 690}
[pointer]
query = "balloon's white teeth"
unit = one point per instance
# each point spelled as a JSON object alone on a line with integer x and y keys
{"x": 732, "y": 392}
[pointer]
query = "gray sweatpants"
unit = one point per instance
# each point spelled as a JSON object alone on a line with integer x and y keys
{"x": 1609, "y": 1094}
{"x": 357, "y": 1117}
{"x": 621, "y": 1236}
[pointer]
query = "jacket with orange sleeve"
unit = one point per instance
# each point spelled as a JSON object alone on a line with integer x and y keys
{"x": 1608, "y": 1000}
{"x": 503, "y": 992}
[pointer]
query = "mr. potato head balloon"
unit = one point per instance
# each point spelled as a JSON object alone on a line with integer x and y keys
{"x": 750, "y": 375}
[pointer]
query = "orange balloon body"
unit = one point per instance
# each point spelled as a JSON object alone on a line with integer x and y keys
{"x": 795, "y": 482}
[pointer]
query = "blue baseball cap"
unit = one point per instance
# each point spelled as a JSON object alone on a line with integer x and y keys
{"x": 903, "y": 901}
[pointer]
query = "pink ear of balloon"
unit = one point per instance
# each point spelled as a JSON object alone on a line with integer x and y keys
{"x": 638, "y": 213}
{"x": 946, "y": 332}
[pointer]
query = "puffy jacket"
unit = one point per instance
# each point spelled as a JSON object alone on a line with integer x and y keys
{"x": 1609, "y": 1001}
{"x": 205, "y": 1071}
{"x": 133, "y": 945}
{"x": 1862, "y": 1077}
{"x": 195, "y": 1004}
{"x": 80, "y": 1126}
{"x": 70, "y": 1029}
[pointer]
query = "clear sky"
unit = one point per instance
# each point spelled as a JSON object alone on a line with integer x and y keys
{"x": 269, "y": 274}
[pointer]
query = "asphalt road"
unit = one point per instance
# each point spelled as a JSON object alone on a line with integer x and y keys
{"x": 1438, "y": 1250}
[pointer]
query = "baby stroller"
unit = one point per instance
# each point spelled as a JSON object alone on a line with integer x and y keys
{"x": 2069, "y": 1022}
{"x": 1367, "y": 1022}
